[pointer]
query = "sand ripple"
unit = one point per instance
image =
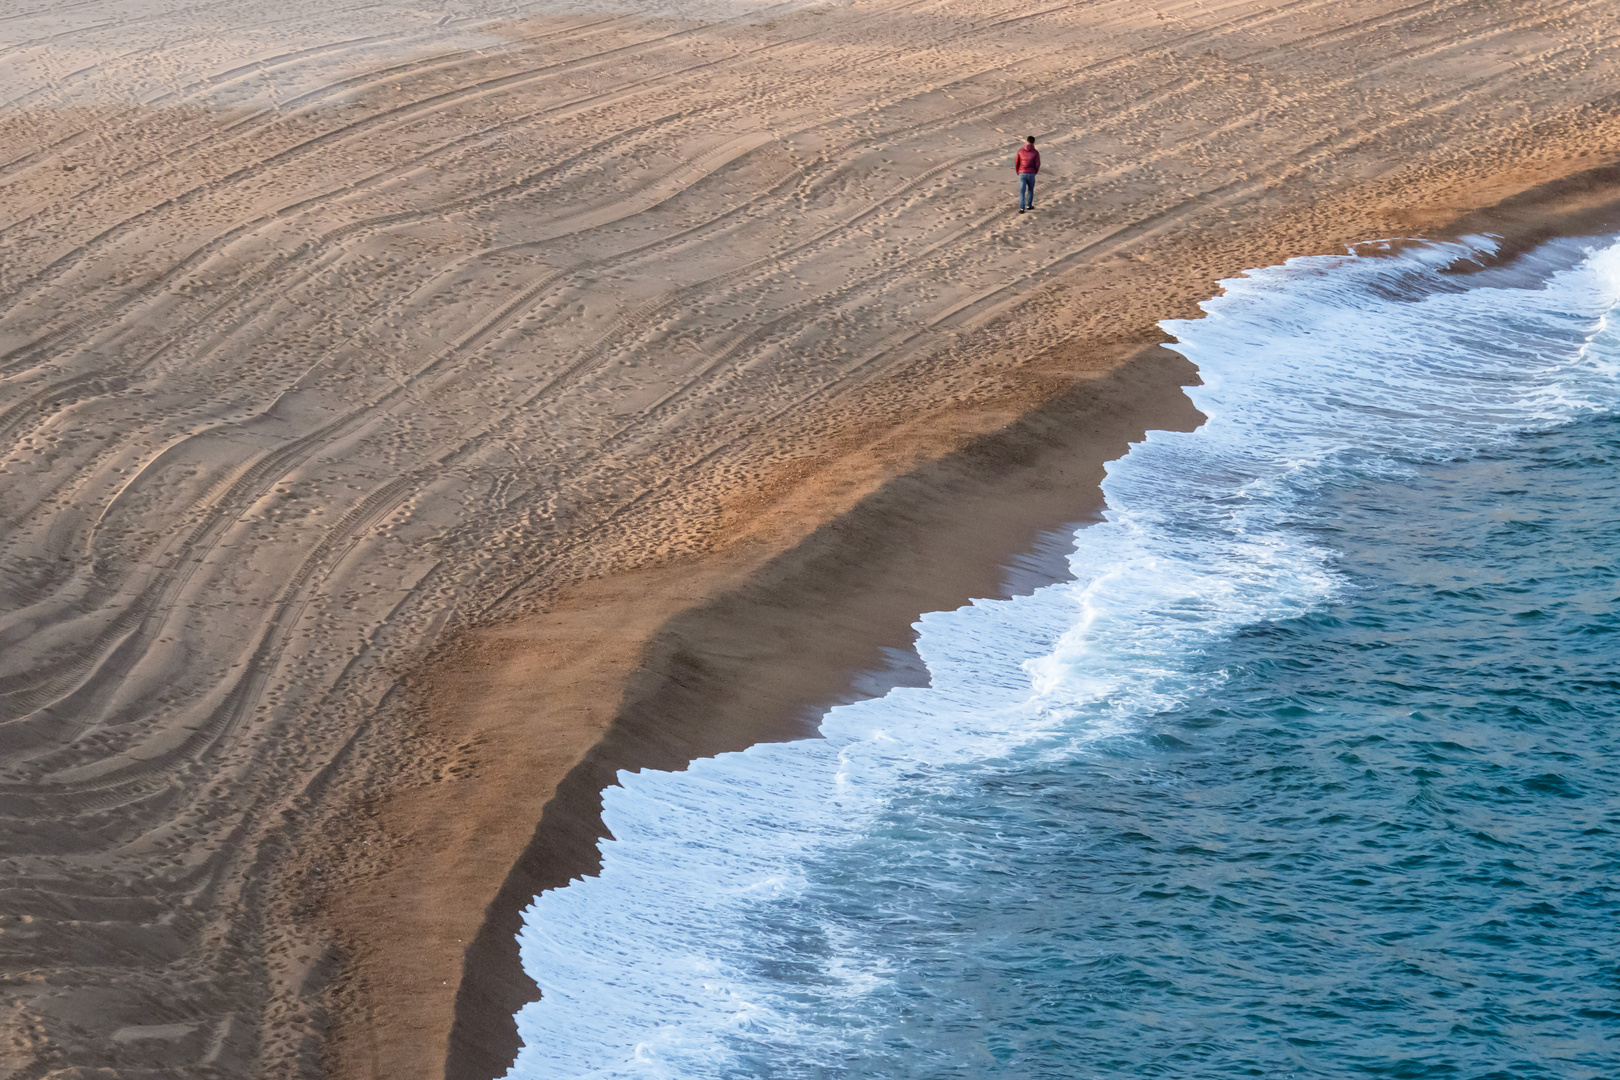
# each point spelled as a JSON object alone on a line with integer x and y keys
{"x": 325, "y": 329}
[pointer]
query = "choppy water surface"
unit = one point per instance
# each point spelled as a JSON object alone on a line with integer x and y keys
{"x": 1386, "y": 844}
{"x": 1312, "y": 771}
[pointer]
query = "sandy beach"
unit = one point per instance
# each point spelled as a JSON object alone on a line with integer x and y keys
{"x": 413, "y": 415}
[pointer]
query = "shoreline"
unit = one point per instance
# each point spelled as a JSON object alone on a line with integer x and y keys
{"x": 697, "y": 691}
{"x": 592, "y": 635}
{"x": 762, "y": 660}
{"x": 401, "y": 406}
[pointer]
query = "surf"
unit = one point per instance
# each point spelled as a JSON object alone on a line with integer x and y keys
{"x": 766, "y": 912}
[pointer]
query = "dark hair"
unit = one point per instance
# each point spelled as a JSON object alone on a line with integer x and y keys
{"x": 1029, "y": 138}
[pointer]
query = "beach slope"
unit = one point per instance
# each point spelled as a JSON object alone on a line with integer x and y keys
{"x": 398, "y": 402}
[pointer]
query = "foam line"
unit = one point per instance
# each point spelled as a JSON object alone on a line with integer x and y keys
{"x": 724, "y": 936}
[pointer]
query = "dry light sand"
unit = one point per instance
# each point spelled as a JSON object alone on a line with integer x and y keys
{"x": 397, "y": 399}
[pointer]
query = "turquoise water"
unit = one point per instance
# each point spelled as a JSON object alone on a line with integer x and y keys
{"x": 1311, "y": 771}
{"x": 1387, "y": 845}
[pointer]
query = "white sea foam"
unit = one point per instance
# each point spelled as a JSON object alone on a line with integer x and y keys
{"x": 704, "y": 950}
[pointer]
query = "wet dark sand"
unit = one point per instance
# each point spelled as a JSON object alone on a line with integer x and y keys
{"x": 822, "y": 623}
{"x": 400, "y": 405}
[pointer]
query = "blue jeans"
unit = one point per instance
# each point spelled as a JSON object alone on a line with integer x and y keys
{"x": 1026, "y": 191}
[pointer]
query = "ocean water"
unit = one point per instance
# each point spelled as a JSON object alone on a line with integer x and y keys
{"x": 1312, "y": 771}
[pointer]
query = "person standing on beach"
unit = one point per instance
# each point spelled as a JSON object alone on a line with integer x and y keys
{"x": 1027, "y": 162}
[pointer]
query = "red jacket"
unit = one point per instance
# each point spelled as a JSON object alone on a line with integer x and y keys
{"x": 1028, "y": 160}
